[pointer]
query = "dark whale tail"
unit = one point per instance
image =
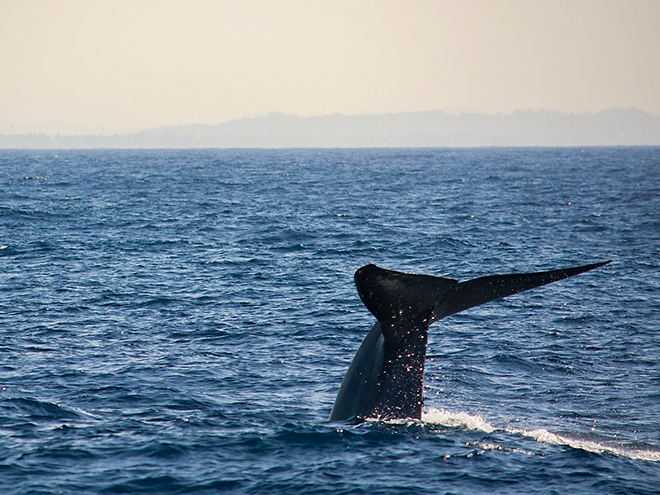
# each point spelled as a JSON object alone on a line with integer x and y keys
{"x": 485, "y": 289}
{"x": 385, "y": 379}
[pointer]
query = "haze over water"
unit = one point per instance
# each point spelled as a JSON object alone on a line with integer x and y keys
{"x": 100, "y": 67}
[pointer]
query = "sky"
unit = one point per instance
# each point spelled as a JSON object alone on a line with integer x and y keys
{"x": 128, "y": 65}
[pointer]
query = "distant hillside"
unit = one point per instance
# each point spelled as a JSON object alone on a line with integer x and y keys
{"x": 624, "y": 127}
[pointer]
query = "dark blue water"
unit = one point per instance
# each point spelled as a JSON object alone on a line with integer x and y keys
{"x": 180, "y": 321}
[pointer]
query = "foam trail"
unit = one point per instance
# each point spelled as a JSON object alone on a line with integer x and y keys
{"x": 588, "y": 444}
{"x": 542, "y": 435}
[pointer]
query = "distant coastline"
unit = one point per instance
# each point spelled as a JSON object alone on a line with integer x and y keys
{"x": 616, "y": 127}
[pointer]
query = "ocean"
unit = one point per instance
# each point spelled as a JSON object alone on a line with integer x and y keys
{"x": 179, "y": 321}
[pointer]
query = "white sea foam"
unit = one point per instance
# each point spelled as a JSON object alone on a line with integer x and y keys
{"x": 457, "y": 420}
{"x": 597, "y": 446}
{"x": 576, "y": 441}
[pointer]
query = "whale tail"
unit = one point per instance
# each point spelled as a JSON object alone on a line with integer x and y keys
{"x": 386, "y": 377}
{"x": 485, "y": 289}
{"x": 390, "y": 295}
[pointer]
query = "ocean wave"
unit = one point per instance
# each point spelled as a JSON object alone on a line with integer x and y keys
{"x": 461, "y": 420}
{"x": 44, "y": 410}
{"x": 587, "y": 442}
{"x": 593, "y": 444}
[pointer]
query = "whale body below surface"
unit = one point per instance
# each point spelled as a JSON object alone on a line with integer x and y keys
{"x": 385, "y": 379}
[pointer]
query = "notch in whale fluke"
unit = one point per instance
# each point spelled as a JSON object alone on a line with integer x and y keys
{"x": 389, "y": 295}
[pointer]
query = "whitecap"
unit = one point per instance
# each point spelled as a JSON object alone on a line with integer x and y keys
{"x": 457, "y": 420}
{"x": 588, "y": 443}
{"x": 593, "y": 444}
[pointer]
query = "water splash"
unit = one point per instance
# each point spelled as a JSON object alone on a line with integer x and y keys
{"x": 594, "y": 445}
{"x": 588, "y": 443}
{"x": 457, "y": 420}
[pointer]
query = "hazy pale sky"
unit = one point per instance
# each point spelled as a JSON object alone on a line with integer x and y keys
{"x": 145, "y": 63}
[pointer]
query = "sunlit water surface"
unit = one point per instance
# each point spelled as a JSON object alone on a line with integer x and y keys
{"x": 180, "y": 321}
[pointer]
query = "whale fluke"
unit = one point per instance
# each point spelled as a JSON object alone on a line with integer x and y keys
{"x": 385, "y": 379}
{"x": 485, "y": 289}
